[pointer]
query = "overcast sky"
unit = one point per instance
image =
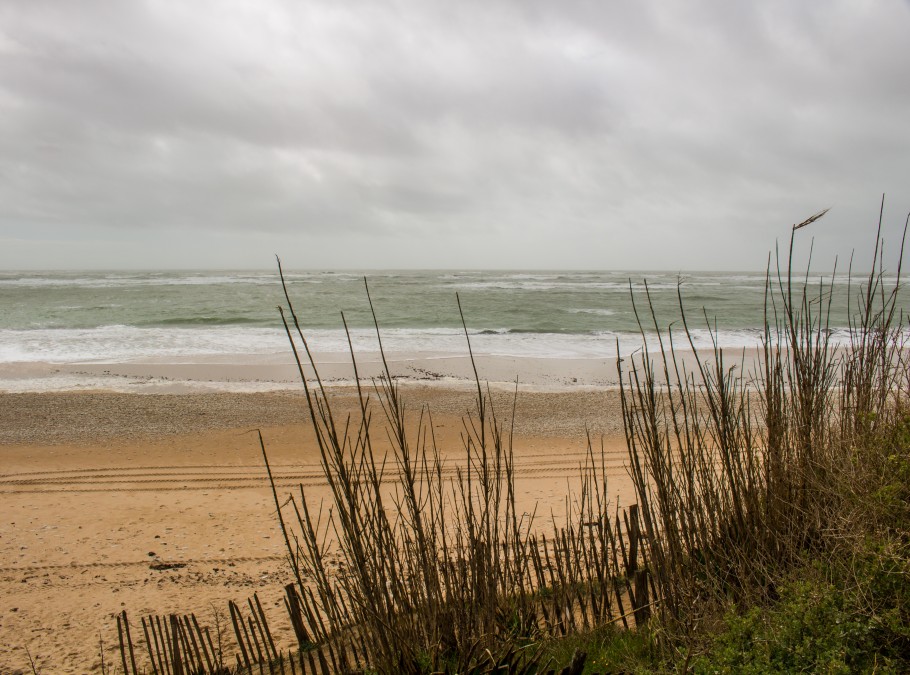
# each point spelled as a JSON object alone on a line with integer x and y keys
{"x": 457, "y": 134}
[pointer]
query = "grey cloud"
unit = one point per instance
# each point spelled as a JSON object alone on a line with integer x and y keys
{"x": 637, "y": 129}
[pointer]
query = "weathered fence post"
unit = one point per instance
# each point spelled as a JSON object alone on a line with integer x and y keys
{"x": 177, "y": 660}
{"x": 638, "y": 578}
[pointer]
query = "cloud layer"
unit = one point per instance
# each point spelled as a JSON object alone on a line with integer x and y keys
{"x": 469, "y": 134}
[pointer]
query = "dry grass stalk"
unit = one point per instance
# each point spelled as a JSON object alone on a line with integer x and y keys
{"x": 441, "y": 568}
{"x": 730, "y": 491}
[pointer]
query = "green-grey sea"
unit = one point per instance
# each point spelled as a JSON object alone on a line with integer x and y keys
{"x": 65, "y": 317}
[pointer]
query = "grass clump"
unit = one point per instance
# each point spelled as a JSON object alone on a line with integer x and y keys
{"x": 774, "y": 496}
{"x": 439, "y": 568}
{"x": 739, "y": 472}
{"x": 608, "y": 649}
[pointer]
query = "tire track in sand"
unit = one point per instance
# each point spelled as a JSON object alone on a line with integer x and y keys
{"x": 252, "y": 477}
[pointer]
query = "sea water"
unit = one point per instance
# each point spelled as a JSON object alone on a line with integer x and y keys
{"x": 86, "y": 317}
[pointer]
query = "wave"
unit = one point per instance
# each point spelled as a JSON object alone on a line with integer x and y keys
{"x": 109, "y": 281}
{"x": 595, "y": 311}
{"x": 637, "y": 284}
{"x": 118, "y": 343}
{"x": 204, "y": 321}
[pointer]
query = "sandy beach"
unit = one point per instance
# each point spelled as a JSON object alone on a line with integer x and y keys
{"x": 102, "y": 492}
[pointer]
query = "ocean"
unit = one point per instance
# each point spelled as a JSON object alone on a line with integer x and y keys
{"x": 68, "y": 318}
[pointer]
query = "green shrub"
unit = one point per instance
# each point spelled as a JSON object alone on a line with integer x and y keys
{"x": 843, "y": 617}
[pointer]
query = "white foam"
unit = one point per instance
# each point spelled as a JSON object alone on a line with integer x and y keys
{"x": 69, "y": 359}
{"x": 117, "y": 343}
{"x": 115, "y": 280}
{"x": 595, "y": 311}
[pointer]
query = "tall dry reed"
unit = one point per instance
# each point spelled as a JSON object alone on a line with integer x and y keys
{"x": 439, "y": 566}
{"x": 734, "y": 465}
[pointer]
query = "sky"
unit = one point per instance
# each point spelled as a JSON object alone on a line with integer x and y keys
{"x": 521, "y": 134}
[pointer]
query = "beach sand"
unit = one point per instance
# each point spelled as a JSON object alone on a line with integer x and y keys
{"x": 97, "y": 488}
